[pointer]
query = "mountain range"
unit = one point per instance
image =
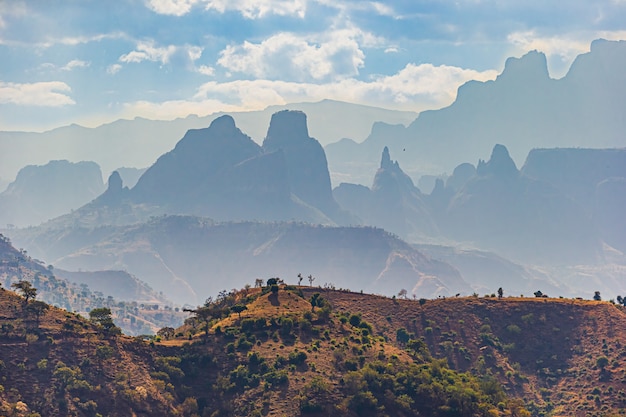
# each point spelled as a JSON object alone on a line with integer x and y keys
{"x": 522, "y": 109}
{"x": 139, "y": 142}
{"x": 561, "y": 210}
{"x": 186, "y": 257}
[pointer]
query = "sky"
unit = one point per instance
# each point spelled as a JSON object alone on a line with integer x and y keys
{"x": 91, "y": 62}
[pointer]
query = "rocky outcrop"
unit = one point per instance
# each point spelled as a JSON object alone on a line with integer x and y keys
{"x": 393, "y": 202}
{"x": 500, "y": 164}
{"x": 307, "y": 168}
{"x": 460, "y": 176}
{"x": 187, "y": 174}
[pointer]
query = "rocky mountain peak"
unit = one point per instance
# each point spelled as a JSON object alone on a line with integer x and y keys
{"x": 529, "y": 68}
{"x": 114, "y": 183}
{"x": 385, "y": 162}
{"x": 500, "y": 164}
{"x": 285, "y": 126}
{"x": 223, "y": 124}
{"x": 305, "y": 158}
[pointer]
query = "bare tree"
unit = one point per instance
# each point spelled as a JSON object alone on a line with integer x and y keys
{"x": 311, "y": 279}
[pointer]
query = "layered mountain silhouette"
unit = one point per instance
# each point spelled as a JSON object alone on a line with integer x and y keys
{"x": 520, "y": 217}
{"x": 492, "y": 206}
{"x": 139, "y": 142}
{"x": 221, "y": 173}
{"x": 40, "y": 193}
{"x": 393, "y": 202}
{"x": 189, "y": 257}
{"x": 523, "y": 109}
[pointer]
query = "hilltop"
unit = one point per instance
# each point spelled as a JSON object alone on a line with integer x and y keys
{"x": 298, "y": 350}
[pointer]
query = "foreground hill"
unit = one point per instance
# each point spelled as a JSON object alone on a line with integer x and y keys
{"x": 306, "y": 351}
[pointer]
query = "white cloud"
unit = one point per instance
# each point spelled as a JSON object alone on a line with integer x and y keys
{"x": 113, "y": 69}
{"x": 333, "y": 55}
{"x": 206, "y": 70}
{"x": 147, "y": 51}
{"x": 171, "y": 7}
{"x": 75, "y": 63}
{"x": 416, "y": 87}
{"x": 249, "y": 9}
{"x": 254, "y": 9}
{"x": 44, "y": 94}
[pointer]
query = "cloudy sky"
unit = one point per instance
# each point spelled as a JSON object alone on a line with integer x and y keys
{"x": 93, "y": 61}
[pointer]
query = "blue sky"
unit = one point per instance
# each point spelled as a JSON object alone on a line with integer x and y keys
{"x": 91, "y": 62}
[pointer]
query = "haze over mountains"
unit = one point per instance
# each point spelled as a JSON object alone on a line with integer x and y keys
{"x": 41, "y": 193}
{"x": 139, "y": 142}
{"x": 522, "y": 109}
{"x": 220, "y": 208}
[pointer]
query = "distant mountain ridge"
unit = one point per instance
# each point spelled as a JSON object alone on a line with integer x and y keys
{"x": 139, "y": 142}
{"x": 220, "y": 172}
{"x": 493, "y": 206}
{"x": 522, "y": 109}
{"x": 186, "y": 257}
{"x": 40, "y": 193}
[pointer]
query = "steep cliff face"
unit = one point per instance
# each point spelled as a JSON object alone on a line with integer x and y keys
{"x": 397, "y": 205}
{"x": 594, "y": 178}
{"x": 576, "y": 172}
{"x": 307, "y": 168}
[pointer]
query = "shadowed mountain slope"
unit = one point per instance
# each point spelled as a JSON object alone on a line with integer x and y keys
{"x": 519, "y": 217}
{"x": 186, "y": 257}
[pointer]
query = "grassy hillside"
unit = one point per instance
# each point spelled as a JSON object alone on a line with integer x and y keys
{"x": 350, "y": 354}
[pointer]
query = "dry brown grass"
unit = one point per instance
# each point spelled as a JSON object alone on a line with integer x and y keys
{"x": 542, "y": 350}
